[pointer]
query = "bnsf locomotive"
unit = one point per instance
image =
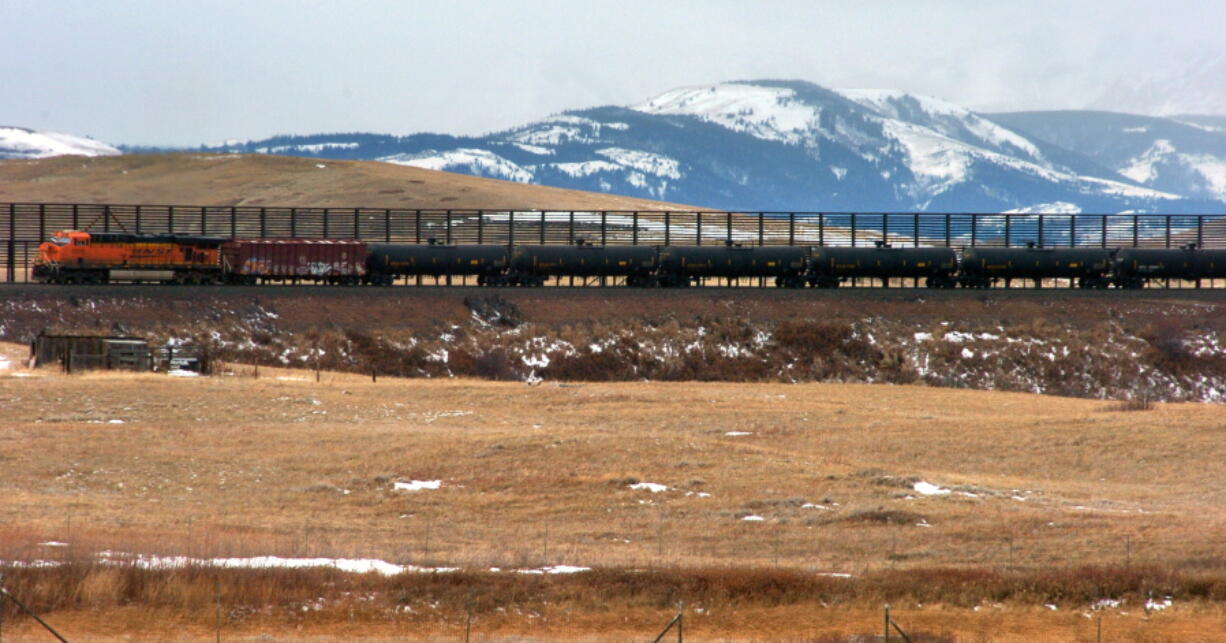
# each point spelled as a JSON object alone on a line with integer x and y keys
{"x": 74, "y": 257}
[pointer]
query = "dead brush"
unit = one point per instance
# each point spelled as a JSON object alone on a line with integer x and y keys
{"x": 1140, "y": 402}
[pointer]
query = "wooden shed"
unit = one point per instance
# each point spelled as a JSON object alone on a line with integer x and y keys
{"x": 84, "y": 352}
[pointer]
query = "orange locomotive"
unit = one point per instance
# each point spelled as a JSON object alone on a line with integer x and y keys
{"x": 75, "y": 257}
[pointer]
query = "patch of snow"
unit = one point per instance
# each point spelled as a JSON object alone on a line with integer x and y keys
{"x": 738, "y": 433}
{"x": 753, "y": 518}
{"x": 182, "y": 373}
{"x": 1055, "y": 207}
{"x": 535, "y": 149}
{"x": 1141, "y": 169}
{"x": 115, "y": 422}
{"x": 653, "y": 487}
{"x": 555, "y": 569}
{"x": 417, "y": 485}
{"x": 1157, "y": 606}
{"x": 1106, "y": 603}
{"x": 477, "y": 162}
{"x": 21, "y": 143}
{"x": 53, "y": 543}
{"x": 585, "y": 168}
{"x": 929, "y": 489}
{"x": 770, "y": 113}
{"x": 654, "y": 164}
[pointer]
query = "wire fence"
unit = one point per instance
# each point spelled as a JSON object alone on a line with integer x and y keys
{"x": 24, "y": 225}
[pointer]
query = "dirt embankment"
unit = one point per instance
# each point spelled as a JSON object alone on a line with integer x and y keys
{"x": 1169, "y": 349}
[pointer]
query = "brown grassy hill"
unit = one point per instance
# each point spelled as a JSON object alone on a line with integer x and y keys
{"x": 235, "y": 179}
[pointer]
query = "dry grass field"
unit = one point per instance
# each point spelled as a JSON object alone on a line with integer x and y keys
{"x": 788, "y": 511}
{"x": 253, "y": 180}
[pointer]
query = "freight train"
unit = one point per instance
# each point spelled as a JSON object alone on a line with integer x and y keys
{"x": 75, "y": 257}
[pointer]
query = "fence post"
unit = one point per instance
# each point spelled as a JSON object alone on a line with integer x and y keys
{"x": 11, "y": 260}
{"x": 667, "y": 228}
{"x": 233, "y": 222}
{"x": 698, "y": 228}
{"x": 387, "y": 225}
{"x": 678, "y": 621}
{"x": 886, "y": 637}
{"x": 761, "y": 228}
{"x": 5, "y": 593}
{"x": 542, "y": 234}
{"x": 217, "y": 596}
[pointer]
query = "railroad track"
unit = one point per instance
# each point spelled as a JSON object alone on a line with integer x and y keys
{"x": 29, "y": 290}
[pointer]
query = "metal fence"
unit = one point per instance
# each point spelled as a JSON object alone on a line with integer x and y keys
{"x": 24, "y": 225}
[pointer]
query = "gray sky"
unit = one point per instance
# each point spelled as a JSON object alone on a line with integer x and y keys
{"x": 190, "y": 72}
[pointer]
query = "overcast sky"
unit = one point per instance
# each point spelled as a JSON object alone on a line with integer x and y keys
{"x": 191, "y": 72}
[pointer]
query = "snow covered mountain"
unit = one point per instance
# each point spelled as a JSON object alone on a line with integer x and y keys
{"x": 1195, "y": 88}
{"x": 784, "y": 146}
{"x": 21, "y": 143}
{"x": 1184, "y": 155}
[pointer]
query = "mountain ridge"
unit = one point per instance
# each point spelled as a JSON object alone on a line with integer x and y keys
{"x": 788, "y": 145}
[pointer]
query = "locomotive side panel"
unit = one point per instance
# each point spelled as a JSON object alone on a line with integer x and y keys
{"x": 73, "y": 256}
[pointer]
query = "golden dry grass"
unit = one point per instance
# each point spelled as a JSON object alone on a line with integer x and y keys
{"x": 531, "y": 475}
{"x": 254, "y": 180}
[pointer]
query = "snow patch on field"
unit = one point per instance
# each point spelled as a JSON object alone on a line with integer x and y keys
{"x": 417, "y": 485}
{"x": 653, "y": 487}
{"x": 474, "y": 161}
